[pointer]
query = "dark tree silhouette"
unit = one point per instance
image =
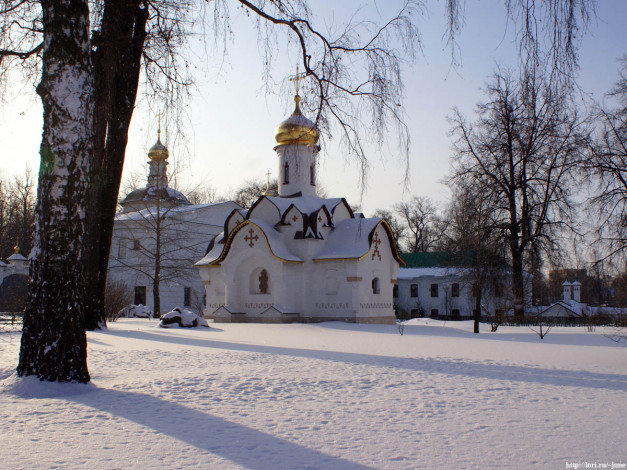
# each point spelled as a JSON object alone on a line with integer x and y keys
{"x": 609, "y": 166}
{"x": 521, "y": 155}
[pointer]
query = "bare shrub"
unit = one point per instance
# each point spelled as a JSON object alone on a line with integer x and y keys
{"x": 118, "y": 295}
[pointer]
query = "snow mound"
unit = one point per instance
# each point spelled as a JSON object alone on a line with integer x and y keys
{"x": 32, "y": 387}
{"x": 135, "y": 311}
{"x": 179, "y": 317}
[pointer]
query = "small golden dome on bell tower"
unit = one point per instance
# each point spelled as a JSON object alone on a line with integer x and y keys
{"x": 297, "y": 129}
{"x": 158, "y": 152}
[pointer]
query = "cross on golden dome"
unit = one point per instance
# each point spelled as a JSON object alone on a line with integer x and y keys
{"x": 296, "y": 79}
{"x": 158, "y": 151}
{"x": 297, "y": 129}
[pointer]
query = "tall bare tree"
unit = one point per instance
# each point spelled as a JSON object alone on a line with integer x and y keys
{"x": 609, "y": 167}
{"x": 17, "y": 214}
{"x": 471, "y": 232}
{"x": 251, "y": 190}
{"x": 521, "y": 154}
{"x": 421, "y": 222}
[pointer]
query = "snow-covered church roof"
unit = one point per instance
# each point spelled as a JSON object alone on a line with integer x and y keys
{"x": 305, "y": 204}
{"x": 349, "y": 238}
{"x": 153, "y": 194}
{"x": 17, "y": 257}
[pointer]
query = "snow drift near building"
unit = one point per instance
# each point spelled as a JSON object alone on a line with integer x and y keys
{"x": 179, "y": 317}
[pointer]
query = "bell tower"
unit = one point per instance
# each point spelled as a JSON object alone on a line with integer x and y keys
{"x": 157, "y": 174}
{"x": 297, "y": 139}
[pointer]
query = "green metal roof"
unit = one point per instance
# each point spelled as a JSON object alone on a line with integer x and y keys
{"x": 435, "y": 259}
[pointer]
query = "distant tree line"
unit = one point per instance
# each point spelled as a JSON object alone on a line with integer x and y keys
{"x": 17, "y": 214}
{"x": 518, "y": 174}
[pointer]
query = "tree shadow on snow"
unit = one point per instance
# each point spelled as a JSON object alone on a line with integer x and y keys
{"x": 487, "y": 370}
{"x": 237, "y": 443}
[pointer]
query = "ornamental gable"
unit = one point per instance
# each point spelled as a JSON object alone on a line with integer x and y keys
{"x": 264, "y": 209}
{"x": 233, "y": 220}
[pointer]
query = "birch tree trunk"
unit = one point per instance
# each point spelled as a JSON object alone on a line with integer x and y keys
{"x": 54, "y": 344}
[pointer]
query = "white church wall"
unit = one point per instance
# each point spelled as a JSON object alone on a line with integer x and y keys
{"x": 380, "y": 272}
{"x": 250, "y": 255}
{"x": 328, "y": 291}
{"x": 354, "y": 289}
{"x": 213, "y": 282}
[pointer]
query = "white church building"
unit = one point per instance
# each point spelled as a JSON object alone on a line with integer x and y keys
{"x": 157, "y": 238}
{"x": 299, "y": 257}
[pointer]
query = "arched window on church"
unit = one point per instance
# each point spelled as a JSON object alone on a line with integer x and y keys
{"x": 263, "y": 282}
{"x": 375, "y": 286}
{"x": 312, "y": 175}
{"x": 286, "y": 173}
{"x": 260, "y": 281}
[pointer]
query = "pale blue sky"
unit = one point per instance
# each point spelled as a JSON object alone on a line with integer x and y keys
{"x": 231, "y": 120}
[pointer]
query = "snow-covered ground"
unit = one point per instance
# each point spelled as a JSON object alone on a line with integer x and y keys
{"x": 328, "y": 396}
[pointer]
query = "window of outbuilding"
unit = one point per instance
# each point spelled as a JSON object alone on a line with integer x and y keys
{"x": 434, "y": 290}
{"x": 413, "y": 290}
{"x": 455, "y": 290}
{"x": 187, "y": 297}
{"x": 286, "y": 173}
{"x": 140, "y": 295}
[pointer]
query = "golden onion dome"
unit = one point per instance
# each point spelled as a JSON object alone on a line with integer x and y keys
{"x": 158, "y": 152}
{"x": 296, "y": 129}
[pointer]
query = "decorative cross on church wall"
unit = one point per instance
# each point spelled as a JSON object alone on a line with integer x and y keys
{"x": 376, "y": 242}
{"x": 250, "y": 238}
